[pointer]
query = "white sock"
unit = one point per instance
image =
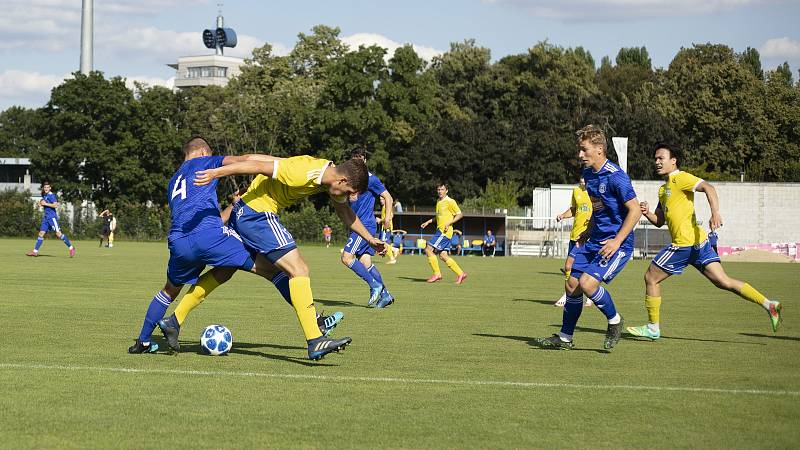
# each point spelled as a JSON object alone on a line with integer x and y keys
{"x": 615, "y": 320}
{"x": 565, "y": 337}
{"x": 653, "y": 327}
{"x": 767, "y": 303}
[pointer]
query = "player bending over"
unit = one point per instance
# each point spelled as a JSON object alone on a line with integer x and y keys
{"x": 690, "y": 243}
{"x": 198, "y": 238}
{"x": 279, "y": 184}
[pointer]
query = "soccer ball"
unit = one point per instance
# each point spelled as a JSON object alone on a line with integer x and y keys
{"x": 216, "y": 340}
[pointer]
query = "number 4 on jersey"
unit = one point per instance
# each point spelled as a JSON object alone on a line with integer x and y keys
{"x": 179, "y": 187}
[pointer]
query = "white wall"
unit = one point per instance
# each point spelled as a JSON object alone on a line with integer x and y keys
{"x": 751, "y": 212}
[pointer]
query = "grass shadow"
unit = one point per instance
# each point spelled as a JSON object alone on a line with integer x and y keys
{"x": 540, "y": 272}
{"x": 772, "y": 336}
{"x": 414, "y": 279}
{"x": 541, "y": 302}
{"x": 533, "y": 342}
{"x": 631, "y": 337}
{"x": 241, "y": 348}
{"x": 327, "y": 302}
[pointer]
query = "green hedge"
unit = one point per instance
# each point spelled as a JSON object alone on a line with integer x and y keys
{"x": 20, "y": 218}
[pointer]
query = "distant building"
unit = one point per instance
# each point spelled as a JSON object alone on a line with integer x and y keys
{"x": 205, "y": 70}
{"x": 15, "y": 175}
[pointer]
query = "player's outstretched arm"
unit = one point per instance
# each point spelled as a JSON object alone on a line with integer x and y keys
{"x": 566, "y": 214}
{"x": 250, "y": 157}
{"x": 713, "y": 202}
{"x": 204, "y": 177}
{"x": 349, "y": 218}
{"x": 387, "y": 200}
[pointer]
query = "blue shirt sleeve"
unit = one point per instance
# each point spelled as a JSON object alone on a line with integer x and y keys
{"x": 50, "y": 197}
{"x": 215, "y": 161}
{"x": 623, "y": 189}
{"x": 375, "y": 186}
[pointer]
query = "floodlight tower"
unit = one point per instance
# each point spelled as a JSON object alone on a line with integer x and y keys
{"x": 220, "y": 37}
{"x": 87, "y": 46}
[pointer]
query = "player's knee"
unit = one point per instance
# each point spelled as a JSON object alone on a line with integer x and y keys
{"x": 347, "y": 259}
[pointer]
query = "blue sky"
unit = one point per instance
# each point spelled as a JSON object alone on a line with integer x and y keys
{"x": 137, "y": 38}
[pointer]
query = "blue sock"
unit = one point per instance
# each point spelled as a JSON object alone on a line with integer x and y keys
{"x": 375, "y": 274}
{"x": 572, "y": 312}
{"x": 281, "y": 282}
{"x": 362, "y": 272}
{"x": 39, "y": 242}
{"x": 155, "y": 312}
{"x": 602, "y": 299}
{"x": 66, "y": 240}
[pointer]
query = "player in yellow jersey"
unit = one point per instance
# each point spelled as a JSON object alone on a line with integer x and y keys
{"x": 581, "y": 209}
{"x": 447, "y": 213}
{"x": 689, "y": 241}
{"x": 279, "y": 184}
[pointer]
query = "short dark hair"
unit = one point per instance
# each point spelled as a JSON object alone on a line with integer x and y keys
{"x": 355, "y": 170}
{"x": 674, "y": 151}
{"x": 358, "y": 152}
{"x": 444, "y": 185}
{"x": 46, "y": 183}
{"x": 195, "y": 143}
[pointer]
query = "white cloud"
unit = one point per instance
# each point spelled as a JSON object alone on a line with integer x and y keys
{"x": 149, "y": 81}
{"x": 367, "y": 39}
{"x": 22, "y": 85}
{"x": 607, "y": 10}
{"x": 782, "y": 48}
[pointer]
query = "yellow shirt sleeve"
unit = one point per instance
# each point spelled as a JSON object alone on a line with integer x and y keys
{"x": 454, "y": 207}
{"x": 687, "y": 182}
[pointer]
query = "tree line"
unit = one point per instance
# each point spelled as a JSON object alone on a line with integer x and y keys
{"x": 490, "y": 129}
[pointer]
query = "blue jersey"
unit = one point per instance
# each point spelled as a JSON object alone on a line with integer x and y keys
{"x": 50, "y": 213}
{"x": 609, "y": 189}
{"x": 194, "y": 208}
{"x": 364, "y": 204}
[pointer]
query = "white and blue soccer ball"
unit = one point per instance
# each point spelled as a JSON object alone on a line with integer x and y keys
{"x": 216, "y": 340}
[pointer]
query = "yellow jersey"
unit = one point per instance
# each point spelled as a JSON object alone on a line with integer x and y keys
{"x": 582, "y": 206}
{"x": 293, "y": 179}
{"x": 383, "y": 217}
{"x": 446, "y": 209}
{"x": 676, "y": 198}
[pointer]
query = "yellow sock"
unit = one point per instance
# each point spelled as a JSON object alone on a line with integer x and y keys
{"x": 391, "y": 253}
{"x": 111, "y": 238}
{"x": 750, "y": 293}
{"x": 653, "y": 306}
{"x": 453, "y": 265}
{"x": 205, "y": 285}
{"x": 432, "y": 260}
{"x": 303, "y": 302}
{"x": 567, "y": 275}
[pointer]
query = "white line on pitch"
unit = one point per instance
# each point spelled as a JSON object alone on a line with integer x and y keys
{"x": 336, "y": 378}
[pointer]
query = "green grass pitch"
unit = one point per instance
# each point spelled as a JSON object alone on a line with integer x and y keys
{"x": 445, "y": 367}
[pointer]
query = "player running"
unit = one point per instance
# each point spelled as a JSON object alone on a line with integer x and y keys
{"x": 447, "y": 213}
{"x": 581, "y": 209}
{"x": 615, "y": 211}
{"x": 279, "y": 184}
{"x": 386, "y": 226}
{"x": 198, "y": 238}
{"x": 690, "y": 244}
{"x": 109, "y": 225}
{"x": 50, "y": 221}
{"x": 357, "y": 254}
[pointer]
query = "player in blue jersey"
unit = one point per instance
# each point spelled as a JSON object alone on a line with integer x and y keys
{"x": 50, "y": 221}
{"x": 357, "y": 254}
{"x": 615, "y": 212}
{"x": 199, "y": 238}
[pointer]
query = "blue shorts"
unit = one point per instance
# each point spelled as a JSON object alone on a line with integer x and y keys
{"x": 356, "y": 245}
{"x": 440, "y": 242}
{"x": 50, "y": 224}
{"x": 217, "y": 247}
{"x": 572, "y": 245}
{"x": 674, "y": 259}
{"x": 261, "y": 232}
{"x": 587, "y": 260}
